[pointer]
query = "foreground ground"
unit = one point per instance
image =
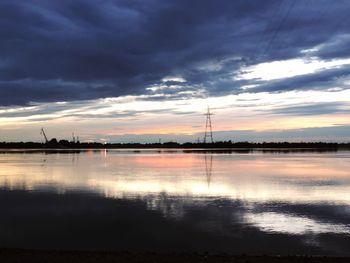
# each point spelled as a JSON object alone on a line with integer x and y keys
{"x": 14, "y": 255}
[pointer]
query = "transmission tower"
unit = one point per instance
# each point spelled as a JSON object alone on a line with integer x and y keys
{"x": 208, "y": 135}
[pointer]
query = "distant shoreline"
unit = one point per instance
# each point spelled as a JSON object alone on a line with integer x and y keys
{"x": 223, "y": 145}
{"x": 23, "y": 255}
{"x": 169, "y": 150}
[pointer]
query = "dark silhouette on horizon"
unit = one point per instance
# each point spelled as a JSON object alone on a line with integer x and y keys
{"x": 65, "y": 144}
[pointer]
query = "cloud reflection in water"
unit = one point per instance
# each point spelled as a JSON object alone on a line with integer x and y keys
{"x": 284, "y": 200}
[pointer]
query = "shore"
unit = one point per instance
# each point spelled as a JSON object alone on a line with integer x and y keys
{"x": 28, "y": 256}
{"x": 223, "y": 145}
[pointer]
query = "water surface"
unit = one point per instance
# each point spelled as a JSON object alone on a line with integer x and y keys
{"x": 257, "y": 202}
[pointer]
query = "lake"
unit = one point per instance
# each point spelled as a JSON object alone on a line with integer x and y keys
{"x": 176, "y": 201}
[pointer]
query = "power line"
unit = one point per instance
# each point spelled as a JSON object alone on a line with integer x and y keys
{"x": 279, "y": 27}
{"x": 268, "y": 29}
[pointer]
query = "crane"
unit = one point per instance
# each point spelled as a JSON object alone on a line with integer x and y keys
{"x": 44, "y": 134}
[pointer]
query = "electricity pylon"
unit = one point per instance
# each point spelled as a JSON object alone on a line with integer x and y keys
{"x": 208, "y": 128}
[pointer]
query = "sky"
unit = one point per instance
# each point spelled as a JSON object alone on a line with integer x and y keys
{"x": 140, "y": 71}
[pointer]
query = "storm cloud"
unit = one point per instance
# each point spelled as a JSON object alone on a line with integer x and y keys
{"x": 79, "y": 50}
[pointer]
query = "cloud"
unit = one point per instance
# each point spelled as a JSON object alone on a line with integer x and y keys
{"x": 64, "y": 51}
{"x": 96, "y": 109}
{"x": 337, "y": 47}
{"x": 313, "y": 109}
{"x": 327, "y": 80}
{"x": 338, "y": 133}
{"x": 290, "y": 68}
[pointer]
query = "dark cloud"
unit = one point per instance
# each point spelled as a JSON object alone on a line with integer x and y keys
{"x": 313, "y": 109}
{"x": 79, "y": 50}
{"x": 336, "y": 47}
{"x": 327, "y": 79}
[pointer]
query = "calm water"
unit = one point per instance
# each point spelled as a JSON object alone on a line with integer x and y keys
{"x": 272, "y": 203}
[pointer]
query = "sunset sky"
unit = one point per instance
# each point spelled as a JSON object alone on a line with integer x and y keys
{"x": 137, "y": 71}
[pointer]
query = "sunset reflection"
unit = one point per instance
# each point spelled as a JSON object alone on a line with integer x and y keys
{"x": 263, "y": 177}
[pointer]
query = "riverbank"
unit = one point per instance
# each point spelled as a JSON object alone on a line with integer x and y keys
{"x": 28, "y": 256}
{"x": 64, "y": 144}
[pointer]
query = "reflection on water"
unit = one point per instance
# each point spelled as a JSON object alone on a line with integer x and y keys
{"x": 228, "y": 202}
{"x": 208, "y": 167}
{"x": 260, "y": 177}
{"x": 295, "y": 225}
